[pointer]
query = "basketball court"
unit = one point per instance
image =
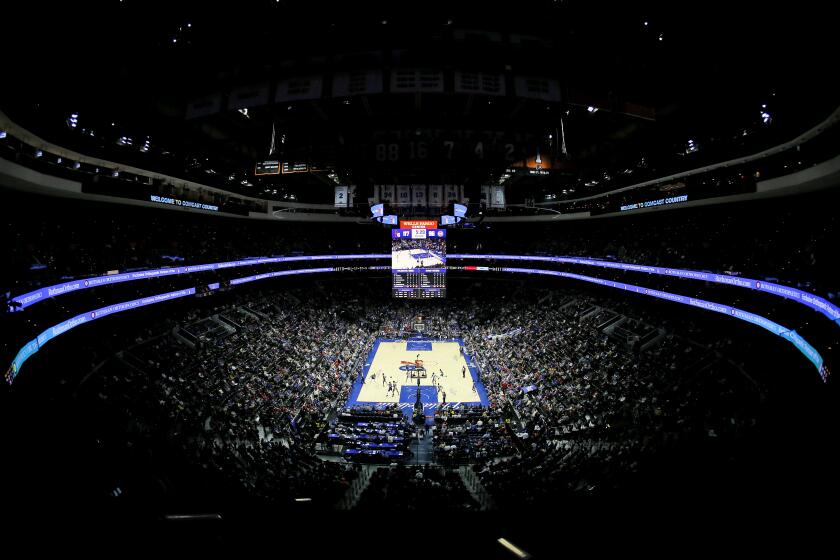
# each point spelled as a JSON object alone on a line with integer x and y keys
{"x": 440, "y": 366}
{"x": 416, "y": 258}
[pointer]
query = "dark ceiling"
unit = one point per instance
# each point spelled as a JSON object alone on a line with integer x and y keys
{"x": 702, "y": 71}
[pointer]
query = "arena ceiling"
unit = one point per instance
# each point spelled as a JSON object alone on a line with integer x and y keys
{"x": 635, "y": 90}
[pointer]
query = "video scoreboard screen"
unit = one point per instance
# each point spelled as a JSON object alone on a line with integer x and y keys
{"x": 418, "y": 260}
{"x": 267, "y": 168}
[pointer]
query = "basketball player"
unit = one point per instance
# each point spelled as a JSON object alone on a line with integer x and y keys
{"x": 464, "y": 372}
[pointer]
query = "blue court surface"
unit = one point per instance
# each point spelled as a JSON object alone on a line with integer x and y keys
{"x": 419, "y": 256}
{"x": 418, "y": 346}
{"x": 408, "y": 394}
{"x": 392, "y": 362}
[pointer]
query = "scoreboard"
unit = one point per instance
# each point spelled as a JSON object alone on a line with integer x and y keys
{"x": 418, "y": 260}
{"x": 267, "y": 168}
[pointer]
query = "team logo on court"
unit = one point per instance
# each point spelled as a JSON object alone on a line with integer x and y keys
{"x": 411, "y": 366}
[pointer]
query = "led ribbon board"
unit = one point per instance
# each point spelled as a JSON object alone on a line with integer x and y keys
{"x": 36, "y": 296}
{"x": 34, "y": 345}
{"x": 808, "y": 299}
{"x": 788, "y": 334}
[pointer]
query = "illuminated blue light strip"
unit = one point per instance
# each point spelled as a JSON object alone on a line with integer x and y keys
{"x": 255, "y": 277}
{"x": 34, "y": 345}
{"x": 790, "y": 335}
{"x": 808, "y": 299}
{"x": 41, "y": 294}
{"x": 809, "y": 351}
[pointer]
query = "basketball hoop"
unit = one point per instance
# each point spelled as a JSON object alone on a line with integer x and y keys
{"x": 416, "y": 369}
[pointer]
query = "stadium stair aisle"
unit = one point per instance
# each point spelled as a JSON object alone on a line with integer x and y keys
{"x": 475, "y": 488}
{"x": 423, "y": 448}
{"x": 357, "y": 488}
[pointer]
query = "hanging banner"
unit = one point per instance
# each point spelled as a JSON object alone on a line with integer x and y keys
{"x": 497, "y": 196}
{"x": 485, "y": 195}
{"x": 387, "y": 192}
{"x": 403, "y": 195}
{"x": 436, "y": 195}
{"x": 418, "y": 195}
{"x": 451, "y": 193}
{"x": 341, "y": 197}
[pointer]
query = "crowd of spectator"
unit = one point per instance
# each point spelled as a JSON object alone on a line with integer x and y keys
{"x": 256, "y": 391}
{"x": 365, "y": 434}
{"x": 473, "y": 434}
{"x": 797, "y": 241}
{"x": 425, "y": 488}
{"x": 244, "y": 399}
